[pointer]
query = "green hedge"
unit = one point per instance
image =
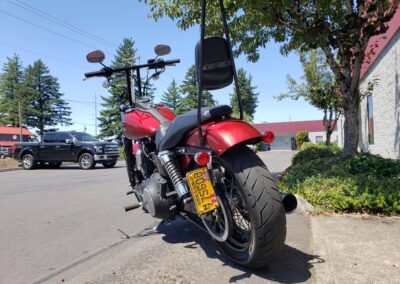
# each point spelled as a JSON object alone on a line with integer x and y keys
{"x": 364, "y": 183}
{"x": 301, "y": 138}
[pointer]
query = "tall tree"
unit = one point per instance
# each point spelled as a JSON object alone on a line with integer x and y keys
{"x": 319, "y": 88}
{"x": 10, "y": 91}
{"x": 342, "y": 29}
{"x": 248, "y": 94}
{"x": 110, "y": 116}
{"x": 189, "y": 89}
{"x": 172, "y": 98}
{"x": 46, "y": 107}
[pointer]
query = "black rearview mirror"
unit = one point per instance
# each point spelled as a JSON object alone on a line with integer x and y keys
{"x": 162, "y": 49}
{"x": 96, "y": 56}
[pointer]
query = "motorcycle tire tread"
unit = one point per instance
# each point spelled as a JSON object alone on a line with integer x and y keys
{"x": 263, "y": 199}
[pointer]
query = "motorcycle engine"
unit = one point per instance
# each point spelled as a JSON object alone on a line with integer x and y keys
{"x": 154, "y": 199}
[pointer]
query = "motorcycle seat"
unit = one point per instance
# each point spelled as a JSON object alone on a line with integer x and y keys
{"x": 170, "y": 134}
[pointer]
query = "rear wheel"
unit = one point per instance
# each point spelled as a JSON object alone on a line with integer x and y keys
{"x": 86, "y": 161}
{"x": 258, "y": 216}
{"x": 28, "y": 162}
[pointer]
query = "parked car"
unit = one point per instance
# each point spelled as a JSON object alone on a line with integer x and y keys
{"x": 58, "y": 147}
{"x": 4, "y": 152}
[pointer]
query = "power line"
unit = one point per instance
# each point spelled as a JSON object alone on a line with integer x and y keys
{"x": 46, "y": 29}
{"x": 43, "y": 55}
{"x": 62, "y": 23}
{"x": 89, "y": 103}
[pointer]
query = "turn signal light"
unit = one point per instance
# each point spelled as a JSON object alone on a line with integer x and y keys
{"x": 202, "y": 158}
{"x": 268, "y": 137}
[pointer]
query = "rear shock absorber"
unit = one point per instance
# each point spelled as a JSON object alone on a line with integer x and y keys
{"x": 168, "y": 161}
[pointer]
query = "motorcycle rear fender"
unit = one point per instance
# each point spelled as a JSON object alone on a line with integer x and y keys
{"x": 223, "y": 135}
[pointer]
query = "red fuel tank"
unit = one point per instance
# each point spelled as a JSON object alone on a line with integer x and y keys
{"x": 138, "y": 124}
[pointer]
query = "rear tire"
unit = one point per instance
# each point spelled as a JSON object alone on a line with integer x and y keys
{"x": 86, "y": 161}
{"x": 28, "y": 162}
{"x": 264, "y": 221}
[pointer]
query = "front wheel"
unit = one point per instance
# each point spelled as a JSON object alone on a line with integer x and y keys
{"x": 86, "y": 161}
{"x": 259, "y": 220}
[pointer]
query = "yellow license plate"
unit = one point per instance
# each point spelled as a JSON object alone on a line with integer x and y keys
{"x": 202, "y": 190}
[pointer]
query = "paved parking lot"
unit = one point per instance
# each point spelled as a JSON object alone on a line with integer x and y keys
{"x": 55, "y": 221}
{"x": 68, "y": 226}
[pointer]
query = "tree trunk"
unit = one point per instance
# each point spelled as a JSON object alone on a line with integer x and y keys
{"x": 351, "y": 126}
{"x": 328, "y": 137}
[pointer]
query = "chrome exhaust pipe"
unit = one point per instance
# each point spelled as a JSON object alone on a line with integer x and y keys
{"x": 289, "y": 202}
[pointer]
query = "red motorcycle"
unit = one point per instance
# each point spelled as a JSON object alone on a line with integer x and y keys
{"x": 197, "y": 165}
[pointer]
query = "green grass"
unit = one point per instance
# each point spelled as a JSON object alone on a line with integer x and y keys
{"x": 121, "y": 154}
{"x": 363, "y": 183}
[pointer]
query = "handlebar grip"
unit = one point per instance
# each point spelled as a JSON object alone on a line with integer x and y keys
{"x": 173, "y": 61}
{"x": 94, "y": 74}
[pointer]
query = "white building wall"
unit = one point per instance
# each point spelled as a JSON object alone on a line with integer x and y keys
{"x": 313, "y": 136}
{"x": 386, "y": 103}
{"x": 283, "y": 141}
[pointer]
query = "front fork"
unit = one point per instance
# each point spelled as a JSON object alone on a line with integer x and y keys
{"x": 130, "y": 163}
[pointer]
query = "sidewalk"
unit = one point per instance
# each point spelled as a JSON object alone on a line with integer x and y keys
{"x": 357, "y": 249}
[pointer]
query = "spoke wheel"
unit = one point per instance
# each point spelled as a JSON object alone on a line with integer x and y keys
{"x": 219, "y": 221}
{"x": 241, "y": 226}
{"x": 255, "y": 206}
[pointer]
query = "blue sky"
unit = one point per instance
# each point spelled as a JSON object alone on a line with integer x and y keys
{"x": 113, "y": 21}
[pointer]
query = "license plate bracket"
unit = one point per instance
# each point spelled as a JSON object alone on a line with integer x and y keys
{"x": 202, "y": 190}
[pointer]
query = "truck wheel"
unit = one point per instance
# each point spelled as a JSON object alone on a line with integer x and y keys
{"x": 109, "y": 164}
{"x": 86, "y": 161}
{"x": 28, "y": 162}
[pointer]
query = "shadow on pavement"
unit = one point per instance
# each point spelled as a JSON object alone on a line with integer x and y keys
{"x": 291, "y": 266}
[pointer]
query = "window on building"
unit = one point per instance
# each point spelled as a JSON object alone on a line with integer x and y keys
{"x": 319, "y": 139}
{"x": 370, "y": 110}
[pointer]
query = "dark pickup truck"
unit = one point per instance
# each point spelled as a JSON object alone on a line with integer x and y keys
{"x": 58, "y": 147}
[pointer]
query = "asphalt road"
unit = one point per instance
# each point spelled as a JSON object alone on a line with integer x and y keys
{"x": 52, "y": 218}
{"x": 57, "y": 222}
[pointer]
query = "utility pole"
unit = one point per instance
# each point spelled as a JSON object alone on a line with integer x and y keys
{"x": 95, "y": 115}
{"x": 20, "y": 121}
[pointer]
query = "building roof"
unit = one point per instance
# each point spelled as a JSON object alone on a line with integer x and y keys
{"x": 14, "y": 130}
{"x": 379, "y": 42}
{"x": 291, "y": 126}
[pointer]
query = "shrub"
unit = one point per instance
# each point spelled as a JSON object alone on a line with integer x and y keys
{"x": 311, "y": 151}
{"x": 363, "y": 183}
{"x": 121, "y": 153}
{"x": 301, "y": 137}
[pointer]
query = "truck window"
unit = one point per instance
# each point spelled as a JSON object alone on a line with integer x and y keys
{"x": 61, "y": 137}
{"x": 50, "y": 138}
